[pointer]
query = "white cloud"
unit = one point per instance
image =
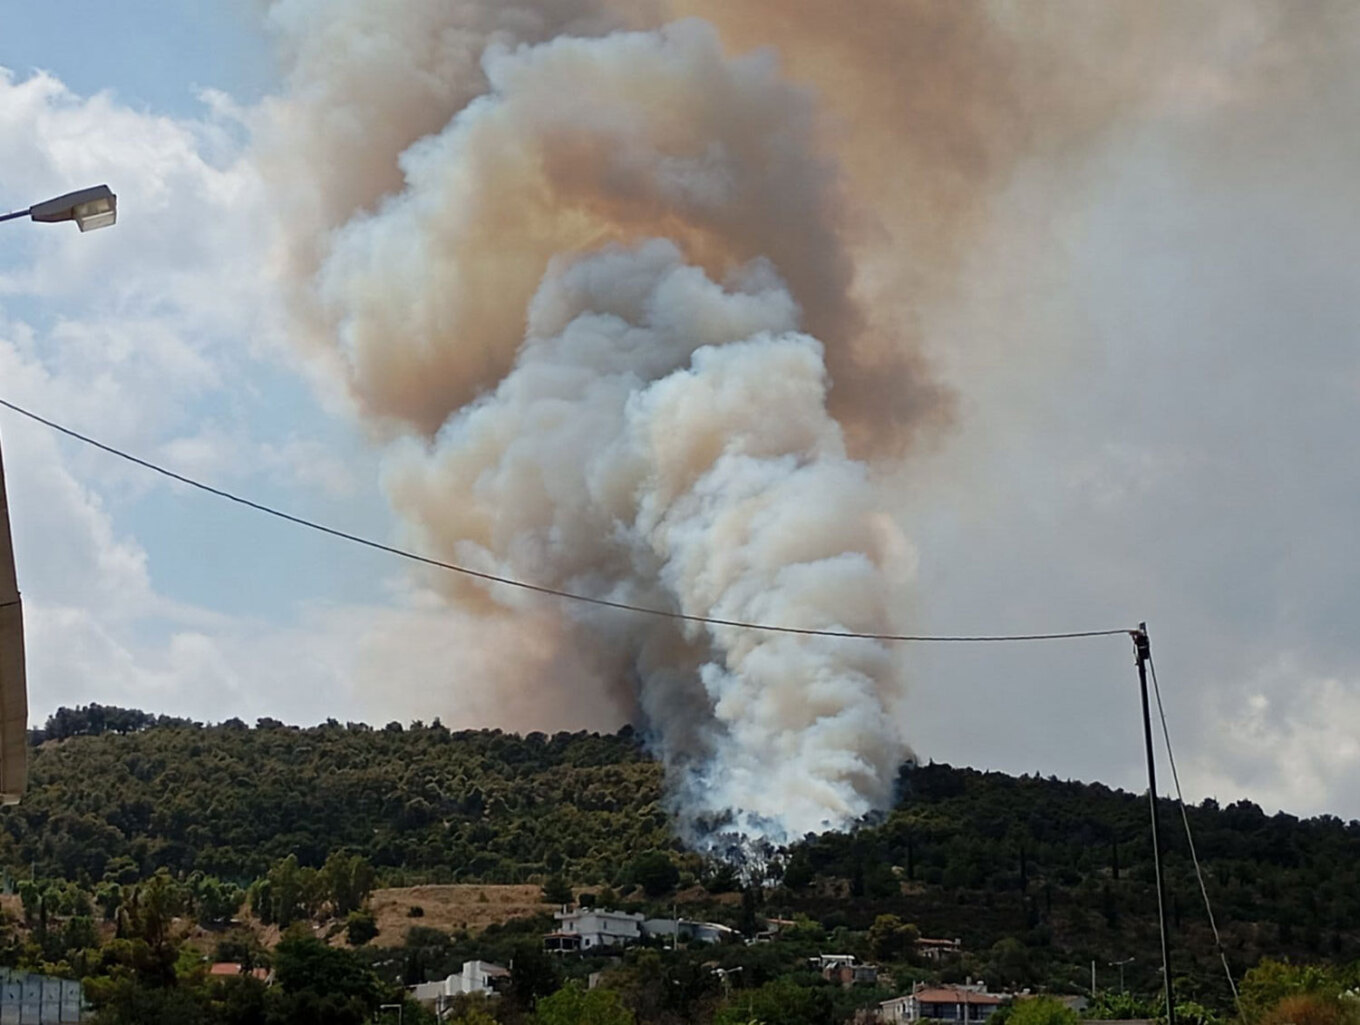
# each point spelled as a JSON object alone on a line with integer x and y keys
{"x": 1158, "y": 385}
{"x": 160, "y": 336}
{"x": 1288, "y": 744}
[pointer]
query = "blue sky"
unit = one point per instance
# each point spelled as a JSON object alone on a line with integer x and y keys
{"x": 201, "y": 560}
{"x": 153, "y": 56}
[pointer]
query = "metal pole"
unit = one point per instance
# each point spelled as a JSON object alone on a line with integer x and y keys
{"x": 1120, "y": 965}
{"x": 1143, "y": 650}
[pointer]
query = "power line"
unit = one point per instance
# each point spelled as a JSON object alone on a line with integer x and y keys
{"x": 1190, "y": 837}
{"x": 540, "y": 588}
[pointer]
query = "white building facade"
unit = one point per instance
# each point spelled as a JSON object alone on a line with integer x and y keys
{"x": 588, "y": 928}
{"x": 473, "y": 978}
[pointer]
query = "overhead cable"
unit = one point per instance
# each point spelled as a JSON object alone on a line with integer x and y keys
{"x": 1190, "y": 837}
{"x": 554, "y": 592}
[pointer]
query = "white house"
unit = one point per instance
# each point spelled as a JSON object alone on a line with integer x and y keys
{"x": 589, "y": 928}
{"x": 844, "y": 969}
{"x": 474, "y": 977}
{"x": 695, "y": 932}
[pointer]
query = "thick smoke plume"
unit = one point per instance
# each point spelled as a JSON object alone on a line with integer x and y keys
{"x": 634, "y": 301}
{"x": 586, "y": 297}
{"x": 663, "y": 440}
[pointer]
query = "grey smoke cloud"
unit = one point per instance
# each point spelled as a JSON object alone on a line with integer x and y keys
{"x": 637, "y": 418}
{"x": 867, "y": 234}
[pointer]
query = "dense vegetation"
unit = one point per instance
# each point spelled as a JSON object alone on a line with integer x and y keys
{"x": 135, "y": 822}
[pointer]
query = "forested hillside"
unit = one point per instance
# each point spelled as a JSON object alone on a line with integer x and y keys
{"x": 107, "y": 786}
{"x": 1037, "y": 877}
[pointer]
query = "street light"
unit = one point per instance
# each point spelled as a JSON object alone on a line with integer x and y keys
{"x": 90, "y": 209}
{"x": 1120, "y": 965}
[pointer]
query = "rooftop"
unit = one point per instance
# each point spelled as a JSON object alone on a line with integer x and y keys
{"x": 949, "y": 995}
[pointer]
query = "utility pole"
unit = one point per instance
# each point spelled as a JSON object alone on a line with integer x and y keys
{"x": 90, "y": 209}
{"x": 1120, "y": 965}
{"x": 1143, "y": 651}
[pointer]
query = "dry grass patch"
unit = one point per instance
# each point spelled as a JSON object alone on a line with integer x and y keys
{"x": 461, "y": 906}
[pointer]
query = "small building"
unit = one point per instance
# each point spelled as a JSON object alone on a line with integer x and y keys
{"x": 848, "y": 975}
{"x": 475, "y": 977}
{"x": 961, "y": 1004}
{"x": 229, "y": 969}
{"x": 824, "y": 961}
{"x": 684, "y": 929}
{"x": 590, "y": 928}
{"x": 845, "y": 969}
{"x": 938, "y": 950}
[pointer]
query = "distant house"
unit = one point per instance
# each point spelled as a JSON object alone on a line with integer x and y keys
{"x": 851, "y": 974}
{"x": 938, "y": 950}
{"x": 683, "y": 928}
{"x": 824, "y": 961}
{"x": 227, "y": 969}
{"x": 473, "y": 978}
{"x": 845, "y": 970}
{"x": 592, "y": 928}
{"x": 962, "y": 1004}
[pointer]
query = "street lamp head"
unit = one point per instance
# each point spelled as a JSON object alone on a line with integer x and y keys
{"x": 89, "y": 208}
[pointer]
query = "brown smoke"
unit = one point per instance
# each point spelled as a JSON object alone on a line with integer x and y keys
{"x": 642, "y": 298}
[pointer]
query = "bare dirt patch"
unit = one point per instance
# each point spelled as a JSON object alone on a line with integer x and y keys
{"x": 449, "y": 908}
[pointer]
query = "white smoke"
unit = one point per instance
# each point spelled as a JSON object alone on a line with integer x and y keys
{"x": 471, "y": 192}
{"x": 664, "y": 441}
{"x": 652, "y": 436}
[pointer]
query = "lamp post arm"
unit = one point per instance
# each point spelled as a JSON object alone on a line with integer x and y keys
{"x": 16, "y": 214}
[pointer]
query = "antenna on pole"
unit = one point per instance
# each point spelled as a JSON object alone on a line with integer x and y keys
{"x": 1143, "y": 651}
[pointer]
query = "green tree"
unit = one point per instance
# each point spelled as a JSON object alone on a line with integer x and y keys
{"x": 572, "y": 1005}
{"x": 781, "y": 1002}
{"x": 533, "y": 974}
{"x": 303, "y": 963}
{"x": 80, "y": 933}
{"x": 152, "y": 910}
{"x": 556, "y": 889}
{"x": 346, "y": 880}
{"x": 360, "y": 927}
{"x": 798, "y": 874}
{"x": 1009, "y": 963}
{"x": 291, "y": 892}
{"x": 1268, "y": 984}
{"x": 109, "y": 897}
{"x": 214, "y": 902}
{"x": 1121, "y": 1007}
{"x": 749, "y": 923}
{"x": 471, "y": 1015}
{"x": 1042, "y": 1011}
{"x": 891, "y": 939}
{"x": 655, "y": 873}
